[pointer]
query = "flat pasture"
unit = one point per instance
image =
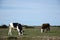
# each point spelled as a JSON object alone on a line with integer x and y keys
{"x": 31, "y": 34}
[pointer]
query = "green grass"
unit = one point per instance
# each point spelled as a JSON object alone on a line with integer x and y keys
{"x": 31, "y": 34}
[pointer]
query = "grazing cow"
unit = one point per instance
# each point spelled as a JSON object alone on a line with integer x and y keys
{"x": 16, "y": 26}
{"x": 45, "y": 26}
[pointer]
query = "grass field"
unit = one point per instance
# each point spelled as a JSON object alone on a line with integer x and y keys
{"x": 31, "y": 34}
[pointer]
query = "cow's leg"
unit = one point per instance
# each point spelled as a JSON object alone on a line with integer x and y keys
{"x": 18, "y": 30}
{"x": 10, "y": 33}
{"x": 48, "y": 29}
{"x": 21, "y": 32}
{"x": 42, "y": 30}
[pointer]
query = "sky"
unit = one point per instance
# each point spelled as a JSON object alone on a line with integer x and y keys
{"x": 30, "y": 12}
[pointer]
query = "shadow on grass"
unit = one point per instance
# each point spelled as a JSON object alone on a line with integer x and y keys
{"x": 12, "y": 38}
{"x": 25, "y": 34}
{"x": 18, "y": 38}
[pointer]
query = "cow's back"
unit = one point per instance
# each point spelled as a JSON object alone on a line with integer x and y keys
{"x": 15, "y": 24}
{"x": 45, "y": 26}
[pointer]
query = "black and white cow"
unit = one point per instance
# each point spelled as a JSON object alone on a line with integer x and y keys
{"x": 46, "y": 27}
{"x": 16, "y": 26}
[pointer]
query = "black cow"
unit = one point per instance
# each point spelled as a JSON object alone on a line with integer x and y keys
{"x": 45, "y": 26}
{"x": 16, "y": 26}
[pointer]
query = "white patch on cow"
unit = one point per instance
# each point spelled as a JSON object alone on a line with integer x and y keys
{"x": 11, "y": 25}
{"x": 41, "y": 30}
{"x": 18, "y": 30}
{"x": 10, "y": 28}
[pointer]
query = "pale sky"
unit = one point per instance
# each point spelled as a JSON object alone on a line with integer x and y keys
{"x": 30, "y": 12}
